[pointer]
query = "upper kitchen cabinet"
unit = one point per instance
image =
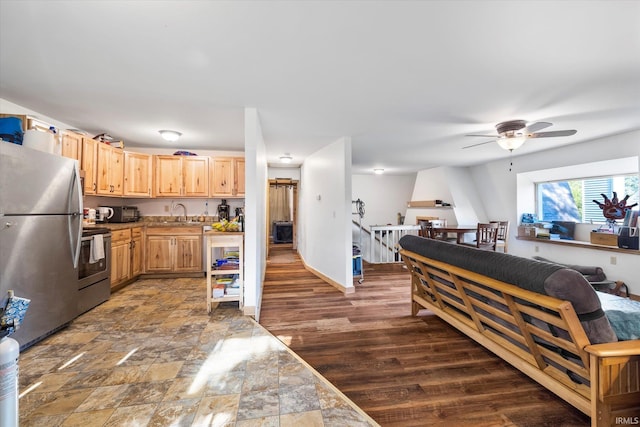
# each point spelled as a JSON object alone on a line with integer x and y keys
{"x": 137, "y": 174}
{"x": 181, "y": 176}
{"x": 110, "y": 170}
{"x": 196, "y": 176}
{"x": 227, "y": 178}
{"x": 238, "y": 175}
{"x": 72, "y": 146}
{"x": 89, "y": 165}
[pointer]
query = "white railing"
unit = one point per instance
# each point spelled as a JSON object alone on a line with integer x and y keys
{"x": 383, "y": 245}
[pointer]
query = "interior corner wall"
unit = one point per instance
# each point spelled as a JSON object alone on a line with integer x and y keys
{"x": 255, "y": 236}
{"x": 324, "y": 239}
{"x": 451, "y": 185}
{"x": 468, "y": 206}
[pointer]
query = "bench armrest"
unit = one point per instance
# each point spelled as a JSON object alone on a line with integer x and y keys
{"x": 615, "y": 349}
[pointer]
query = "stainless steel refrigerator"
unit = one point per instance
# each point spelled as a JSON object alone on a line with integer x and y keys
{"x": 40, "y": 233}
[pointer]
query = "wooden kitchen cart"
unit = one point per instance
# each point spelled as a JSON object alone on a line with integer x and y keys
{"x": 217, "y": 243}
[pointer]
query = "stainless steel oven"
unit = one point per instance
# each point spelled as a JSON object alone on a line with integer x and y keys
{"x": 94, "y": 271}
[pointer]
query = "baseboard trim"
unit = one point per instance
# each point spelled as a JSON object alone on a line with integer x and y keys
{"x": 249, "y": 310}
{"x": 338, "y": 286}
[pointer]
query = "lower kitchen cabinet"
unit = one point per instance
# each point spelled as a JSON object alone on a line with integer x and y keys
{"x": 127, "y": 253}
{"x": 120, "y": 256}
{"x": 137, "y": 251}
{"x": 174, "y": 249}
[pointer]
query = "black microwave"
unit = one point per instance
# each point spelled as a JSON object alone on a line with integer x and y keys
{"x": 124, "y": 214}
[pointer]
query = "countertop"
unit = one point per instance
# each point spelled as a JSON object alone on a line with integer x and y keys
{"x": 147, "y": 223}
{"x": 223, "y": 233}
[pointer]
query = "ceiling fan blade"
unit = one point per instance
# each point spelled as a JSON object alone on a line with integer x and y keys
{"x": 553, "y": 133}
{"x": 485, "y": 136}
{"x": 535, "y": 127}
{"x": 475, "y": 145}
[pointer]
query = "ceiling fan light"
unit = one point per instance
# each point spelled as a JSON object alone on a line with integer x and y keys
{"x": 511, "y": 143}
{"x": 170, "y": 135}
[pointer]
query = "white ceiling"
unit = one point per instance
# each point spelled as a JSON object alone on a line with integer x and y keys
{"x": 406, "y": 80}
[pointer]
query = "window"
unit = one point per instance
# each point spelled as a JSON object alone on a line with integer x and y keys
{"x": 573, "y": 200}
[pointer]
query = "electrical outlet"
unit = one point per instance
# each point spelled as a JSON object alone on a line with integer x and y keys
{"x": 613, "y": 260}
{"x": 166, "y": 208}
{"x": 536, "y": 248}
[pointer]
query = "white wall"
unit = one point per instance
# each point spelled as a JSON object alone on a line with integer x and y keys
{"x": 255, "y": 237}
{"x": 384, "y": 197}
{"x": 286, "y": 173}
{"x": 497, "y": 187}
{"x": 324, "y": 239}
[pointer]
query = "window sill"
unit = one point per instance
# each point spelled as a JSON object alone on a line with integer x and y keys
{"x": 581, "y": 244}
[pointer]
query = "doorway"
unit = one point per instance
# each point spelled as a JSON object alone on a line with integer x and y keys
{"x": 282, "y": 212}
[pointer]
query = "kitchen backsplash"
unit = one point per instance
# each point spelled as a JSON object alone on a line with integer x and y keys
{"x": 162, "y": 207}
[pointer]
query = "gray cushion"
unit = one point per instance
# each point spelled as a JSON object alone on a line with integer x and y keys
{"x": 591, "y": 273}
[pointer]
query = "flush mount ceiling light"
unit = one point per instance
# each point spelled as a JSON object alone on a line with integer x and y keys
{"x": 286, "y": 158}
{"x": 170, "y": 135}
{"x": 378, "y": 171}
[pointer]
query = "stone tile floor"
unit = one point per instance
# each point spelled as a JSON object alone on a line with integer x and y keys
{"x": 152, "y": 356}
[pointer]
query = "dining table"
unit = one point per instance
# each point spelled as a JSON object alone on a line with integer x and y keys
{"x": 459, "y": 230}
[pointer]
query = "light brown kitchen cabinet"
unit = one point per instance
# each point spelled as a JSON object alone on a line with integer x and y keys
{"x": 188, "y": 253}
{"x": 173, "y": 249}
{"x": 120, "y": 256}
{"x": 227, "y": 178}
{"x": 181, "y": 176}
{"x": 137, "y": 174}
{"x": 159, "y": 253}
{"x": 72, "y": 146}
{"x": 127, "y": 254}
{"x": 110, "y": 170}
{"x": 89, "y": 165}
{"x": 238, "y": 175}
{"x": 137, "y": 251}
{"x": 196, "y": 176}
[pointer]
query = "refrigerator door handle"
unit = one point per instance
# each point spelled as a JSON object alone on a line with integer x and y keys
{"x": 75, "y": 214}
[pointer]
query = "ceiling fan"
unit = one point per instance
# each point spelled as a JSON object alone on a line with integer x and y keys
{"x": 513, "y": 133}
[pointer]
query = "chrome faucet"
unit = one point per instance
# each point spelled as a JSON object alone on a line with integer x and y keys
{"x": 184, "y": 210}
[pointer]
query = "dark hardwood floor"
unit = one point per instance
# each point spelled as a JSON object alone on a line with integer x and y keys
{"x": 401, "y": 370}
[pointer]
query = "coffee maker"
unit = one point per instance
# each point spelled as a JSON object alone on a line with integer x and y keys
{"x": 240, "y": 216}
{"x": 223, "y": 210}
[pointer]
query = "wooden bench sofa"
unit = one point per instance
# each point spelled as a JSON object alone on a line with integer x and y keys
{"x": 542, "y": 318}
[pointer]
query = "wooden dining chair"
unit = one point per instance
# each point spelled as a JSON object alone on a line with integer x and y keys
{"x": 485, "y": 236}
{"x": 502, "y": 235}
{"x": 440, "y": 235}
{"x": 426, "y": 228}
